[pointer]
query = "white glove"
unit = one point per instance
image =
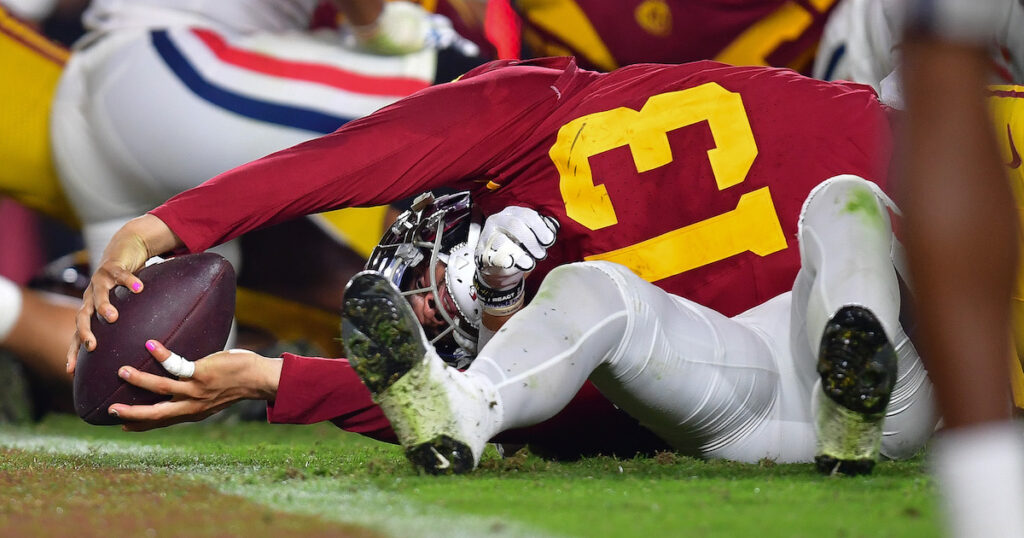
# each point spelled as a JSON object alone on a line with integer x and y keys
{"x": 404, "y": 28}
{"x": 511, "y": 243}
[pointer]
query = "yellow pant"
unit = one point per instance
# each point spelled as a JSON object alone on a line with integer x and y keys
{"x": 1007, "y": 105}
{"x": 31, "y": 65}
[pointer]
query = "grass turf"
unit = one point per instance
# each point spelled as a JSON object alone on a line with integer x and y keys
{"x": 343, "y": 479}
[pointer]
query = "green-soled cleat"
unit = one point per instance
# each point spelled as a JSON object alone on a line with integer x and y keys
{"x": 436, "y": 412}
{"x": 857, "y": 365}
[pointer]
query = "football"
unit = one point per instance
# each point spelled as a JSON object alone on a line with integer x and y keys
{"x": 187, "y": 303}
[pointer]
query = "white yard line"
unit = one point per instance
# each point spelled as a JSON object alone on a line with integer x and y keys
{"x": 334, "y": 499}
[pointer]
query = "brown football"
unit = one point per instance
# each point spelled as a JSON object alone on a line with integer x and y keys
{"x": 187, "y": 303}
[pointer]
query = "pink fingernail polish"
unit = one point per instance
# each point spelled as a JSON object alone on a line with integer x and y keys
{"x": 150, "y": 345}
{"x": 136, "y": 286}
{"x": 124, "y": 373}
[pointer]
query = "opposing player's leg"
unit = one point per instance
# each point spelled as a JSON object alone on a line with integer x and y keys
{"x": 702, "y": 382}
{"x": 37, "y": 327}
{"x": 848, "y": 305}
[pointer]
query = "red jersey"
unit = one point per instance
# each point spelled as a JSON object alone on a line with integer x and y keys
{"x": 605, "y": 34}
{"x": 693, "y": 175}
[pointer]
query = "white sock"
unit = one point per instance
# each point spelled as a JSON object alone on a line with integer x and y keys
{"x": 10, "y": 307}
{"x": 980, "y": 470}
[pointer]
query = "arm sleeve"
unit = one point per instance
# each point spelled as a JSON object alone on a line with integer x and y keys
{"x": 443, "y": 136}
{"x": 314, "y": 390}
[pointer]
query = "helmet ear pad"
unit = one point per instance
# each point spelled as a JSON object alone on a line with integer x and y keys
{"x": 458, "y": 277}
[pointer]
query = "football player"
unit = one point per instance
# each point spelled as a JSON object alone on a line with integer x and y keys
{"x": 430, "y": 253}
{"x": 607, "y": 35}
{"x": 725, "y": 156}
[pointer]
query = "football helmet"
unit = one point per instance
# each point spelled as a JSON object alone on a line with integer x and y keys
{"x": 437, "y": 230}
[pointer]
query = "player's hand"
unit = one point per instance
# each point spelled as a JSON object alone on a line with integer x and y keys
{"x": 128, "y": 250}
{"x": 218, "y": 380}
{"x": 511, "y": 243}
{"x": 403, "y": 28}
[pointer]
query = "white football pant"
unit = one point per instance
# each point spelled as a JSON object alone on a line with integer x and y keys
{"x": 142, "y": 114}
{"x": 738, "y": 388}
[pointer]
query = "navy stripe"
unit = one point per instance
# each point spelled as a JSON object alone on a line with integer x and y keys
{"x": 833, "y": 61}
{"x": 290, "y": 116}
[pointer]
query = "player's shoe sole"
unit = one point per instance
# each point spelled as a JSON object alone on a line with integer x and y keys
{"x": 857, "y": 365}
{"x": 389, "y": 352}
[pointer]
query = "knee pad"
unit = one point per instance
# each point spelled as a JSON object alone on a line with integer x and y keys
{"x": 836, "y": 196}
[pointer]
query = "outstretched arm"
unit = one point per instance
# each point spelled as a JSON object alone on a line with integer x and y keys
{"x": 218, "y": 381}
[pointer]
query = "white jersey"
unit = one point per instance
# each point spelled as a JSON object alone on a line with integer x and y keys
{"x": 861, "y": 40}
{"x": 243, "y": 16}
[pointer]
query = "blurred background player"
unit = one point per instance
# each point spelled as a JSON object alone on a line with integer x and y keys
{"x": 962, "y": 239}
{"x": 153, "y": 91}
{"x": 607, "y": 35}
{"x": 861, "y": 43}
{"x": 439, "y": 239}
{"x": 29, "y": 319}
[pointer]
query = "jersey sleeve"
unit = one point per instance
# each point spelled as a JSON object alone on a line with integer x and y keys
{"x": 313, "y": 390}
{"x": 444, "y": 136}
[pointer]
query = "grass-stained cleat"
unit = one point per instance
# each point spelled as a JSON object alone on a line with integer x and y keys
{"x": 857, "y": 365}
{"x": 436, "y": 412}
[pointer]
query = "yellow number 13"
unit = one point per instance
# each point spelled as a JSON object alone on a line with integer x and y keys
{"x": 753, "y": 226}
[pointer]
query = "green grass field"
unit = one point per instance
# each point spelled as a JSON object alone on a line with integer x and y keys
{"x": 63, "y": 477}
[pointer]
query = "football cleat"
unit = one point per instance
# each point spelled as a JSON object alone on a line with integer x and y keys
{"x": 857, "y": 365}
{"x": 436, "y": 412}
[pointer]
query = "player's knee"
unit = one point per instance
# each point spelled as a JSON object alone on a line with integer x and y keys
{"x": 581, "y": 279}
{"x": 847, "y": 194}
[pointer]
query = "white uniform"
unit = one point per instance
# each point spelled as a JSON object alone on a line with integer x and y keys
{"x": 861, "y": 39}
{"x": 165, "y": 94}
{"x": 739, "y": 388}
